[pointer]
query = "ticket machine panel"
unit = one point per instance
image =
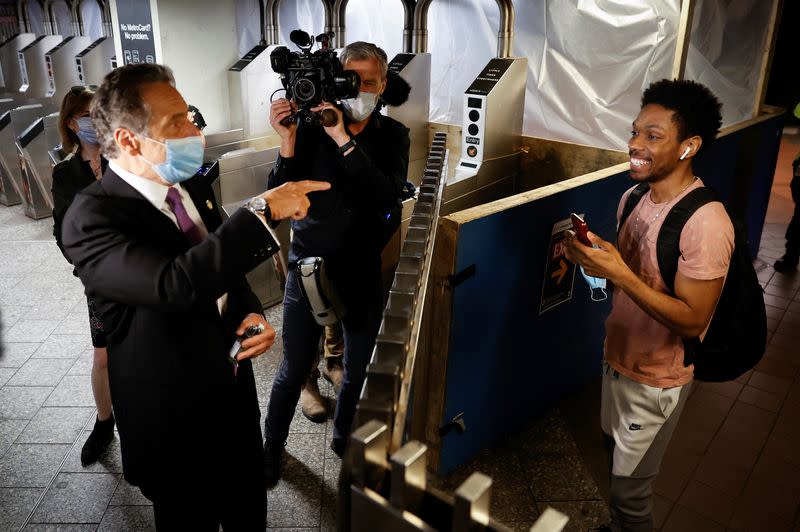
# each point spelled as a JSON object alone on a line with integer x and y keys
{"x": 95, "y": 61}
{"x": 251, "y": 82}
{"x": 35, "y": 80}
{"x": 9, "y": 58}
{"x": 61, "y": 69}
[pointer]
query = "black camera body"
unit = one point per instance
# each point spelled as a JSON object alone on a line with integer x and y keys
{"x": 313, "y": 77}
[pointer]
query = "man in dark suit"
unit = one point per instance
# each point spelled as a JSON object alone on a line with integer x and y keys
{"x": 167, "y": 274}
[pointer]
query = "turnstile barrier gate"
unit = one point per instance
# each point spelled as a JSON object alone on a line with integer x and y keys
{"x": 62, "y": 72}
{"x": 34, "y": 148}
{"x": 9, "y": 58}
{"x": 12, "y": 123}
{"x": 32, "y": 64}
{"x": 240, "y": 175}
{"x": 94, "y": 62}
{"x": 390, "y": 492}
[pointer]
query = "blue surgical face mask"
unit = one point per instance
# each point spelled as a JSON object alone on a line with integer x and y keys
{"x": 184, "y": 159}
{"x": 597, "y": 286}
{"x": 86, "y": 131}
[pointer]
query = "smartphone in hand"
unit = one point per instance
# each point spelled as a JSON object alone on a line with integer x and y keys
{"x": 581, "y": 229}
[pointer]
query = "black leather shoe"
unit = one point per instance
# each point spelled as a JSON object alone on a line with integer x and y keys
{"x": 273, "y": 458}
{"x": 787, "y": 263}
{"x": 98, "y": 441}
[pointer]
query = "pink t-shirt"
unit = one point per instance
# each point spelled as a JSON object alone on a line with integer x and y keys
{"x": 637, "y": 345}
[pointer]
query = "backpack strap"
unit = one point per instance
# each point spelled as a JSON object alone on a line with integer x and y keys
{"x": 668, "y": 249}
{"x": 633, "y": 199}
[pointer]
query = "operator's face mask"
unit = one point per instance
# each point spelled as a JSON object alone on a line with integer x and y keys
{"x": 597, "y": 286}
{"x": 86, "y": 131}
{"x": 184, "y": 158}
{"x": 361, "y": 106}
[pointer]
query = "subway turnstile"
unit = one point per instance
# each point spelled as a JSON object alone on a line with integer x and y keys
{"x": 34, "y": 148}
{"x": 13, "y": 123}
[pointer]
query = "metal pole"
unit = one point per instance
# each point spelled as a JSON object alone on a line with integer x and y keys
{"x": 420, "y": 30}
{"x": 50, "y": 5}
{"x": 339, "y": 8}
{"x": 330, "y": 26}
{"x": 505, "y": 35}
{"x": 272, "y": 7}
{"x": 408, "y": 25}
{"x": 262, "y": 17}
{"x": 78, "y": 27}
{"x": 22, "y": 15}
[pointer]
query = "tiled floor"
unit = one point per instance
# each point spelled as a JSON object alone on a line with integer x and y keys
{"x": 47, "y": 409}
{"x": 733, "y": 462}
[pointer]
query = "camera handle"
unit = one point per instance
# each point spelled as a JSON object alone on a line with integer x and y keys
{"x": 327, "y": 118}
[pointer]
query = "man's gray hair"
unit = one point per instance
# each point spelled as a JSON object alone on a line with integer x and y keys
{"x": 360, "y": 51}
{"x": 118, "y": 102}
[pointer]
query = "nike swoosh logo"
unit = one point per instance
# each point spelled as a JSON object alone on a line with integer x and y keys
{"x": 635, "y": 426}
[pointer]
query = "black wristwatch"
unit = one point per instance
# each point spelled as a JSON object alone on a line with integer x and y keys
{"x": 346, "y": 146}
{"x": 258, "y": 205}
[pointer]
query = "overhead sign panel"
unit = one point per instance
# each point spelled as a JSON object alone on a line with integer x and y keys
{"x": 136, "y": 32}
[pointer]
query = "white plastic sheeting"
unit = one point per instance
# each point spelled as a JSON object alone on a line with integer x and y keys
{"x": 35, "y": 18}
{"x": 307, "y": 15}
{"x": 63, "y": 19}
{"x": 588, "y": 60}
{"x": 92, "y": 19}
{"x": 726, "y": 52}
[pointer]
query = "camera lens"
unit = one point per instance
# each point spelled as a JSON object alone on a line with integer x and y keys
{"x": 304, "y": 90}
{"x": 346, "y": 85}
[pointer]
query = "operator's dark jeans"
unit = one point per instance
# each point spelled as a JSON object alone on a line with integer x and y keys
{"x": 301, "y": 336}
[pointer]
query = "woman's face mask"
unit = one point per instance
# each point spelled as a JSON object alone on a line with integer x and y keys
{"x": 360, "y": 107}
{"x": 184, "y": 158}
{"x": 86, "y": 131}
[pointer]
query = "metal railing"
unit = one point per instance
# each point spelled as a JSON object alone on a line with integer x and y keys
{"x": 383, "y": 483}
{"x": 387, "y": 387}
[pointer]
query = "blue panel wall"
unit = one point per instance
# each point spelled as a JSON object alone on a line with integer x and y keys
{"x": 506, "y": 362}
{"x": 740, "y": 167}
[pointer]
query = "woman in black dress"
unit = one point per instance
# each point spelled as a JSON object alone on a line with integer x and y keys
{"x": 82, "y": 166}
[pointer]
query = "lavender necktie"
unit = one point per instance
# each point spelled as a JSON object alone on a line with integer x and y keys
{"x": 188, "y": 228}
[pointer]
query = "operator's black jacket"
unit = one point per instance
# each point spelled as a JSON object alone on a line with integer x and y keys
{"x": 342, "y": 222}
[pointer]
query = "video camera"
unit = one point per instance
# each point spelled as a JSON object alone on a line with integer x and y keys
{"x": 311, "y": 77}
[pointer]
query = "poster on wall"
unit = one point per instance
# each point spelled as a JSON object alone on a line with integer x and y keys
{"x": 559, "y": 274}
{"x": 136, "y": 32}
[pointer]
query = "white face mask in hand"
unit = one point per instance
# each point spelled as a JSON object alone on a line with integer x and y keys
{"x": 361, "y": 106}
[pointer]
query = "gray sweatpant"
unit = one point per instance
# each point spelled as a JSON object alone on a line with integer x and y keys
{"x": 638, "y": 421}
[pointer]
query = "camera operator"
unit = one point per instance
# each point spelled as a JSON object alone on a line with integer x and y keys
{"x": 365, "y": 158}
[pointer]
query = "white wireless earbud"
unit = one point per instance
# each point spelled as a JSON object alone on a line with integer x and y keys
{"x": 686, "y": 152}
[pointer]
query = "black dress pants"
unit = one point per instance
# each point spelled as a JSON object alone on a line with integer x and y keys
{"x": 231, "y": 493}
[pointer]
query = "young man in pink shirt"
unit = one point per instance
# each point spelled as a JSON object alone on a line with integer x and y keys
{"x": 645, "y": 381}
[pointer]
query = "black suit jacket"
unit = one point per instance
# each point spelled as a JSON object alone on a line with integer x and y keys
{"x": 178, "y": 406}
{"x": 70, "y": 176}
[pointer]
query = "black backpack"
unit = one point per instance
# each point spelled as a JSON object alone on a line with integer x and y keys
{"x": 737, "y": 336}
